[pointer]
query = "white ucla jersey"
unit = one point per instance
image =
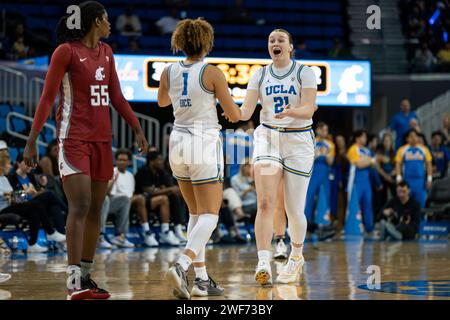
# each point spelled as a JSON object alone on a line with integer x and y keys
{"x": 192, "y": 103}
{"x": 277, "y": 91}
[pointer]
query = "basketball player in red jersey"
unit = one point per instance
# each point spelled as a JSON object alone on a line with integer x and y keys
{"x": 82, "y": 68}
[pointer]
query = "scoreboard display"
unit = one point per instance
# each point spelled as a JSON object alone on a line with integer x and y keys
{"x": 339, "y": 82}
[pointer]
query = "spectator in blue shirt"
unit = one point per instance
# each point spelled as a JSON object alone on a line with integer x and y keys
{"x": 400, "y": 122}
{"x": 441, "y": 155}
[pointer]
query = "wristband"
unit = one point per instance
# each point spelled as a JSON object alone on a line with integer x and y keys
{"x": 429, "y": 178}
{"x": 398, "y": 178}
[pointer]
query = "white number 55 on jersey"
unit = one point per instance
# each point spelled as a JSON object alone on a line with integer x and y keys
{"x": 99, "y": 95}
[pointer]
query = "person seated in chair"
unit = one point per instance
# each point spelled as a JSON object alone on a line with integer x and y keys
{"x": 401, "y": 215}
{"x": 34, "y": 212}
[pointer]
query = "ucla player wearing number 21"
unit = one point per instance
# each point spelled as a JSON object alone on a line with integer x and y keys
{"x": 283, "y": 148}
{"x": 195, "y": 148}
{"x": 82, "y": 68}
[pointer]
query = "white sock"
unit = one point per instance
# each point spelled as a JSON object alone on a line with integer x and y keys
{"x": 201, "y": 273}
{"x": 296, "y": 251}
{"x": 179, "y": 229}
{"x": 86, "y": 267}
{"x": 164, "y": 227}
{"x": 200, "y": 234}
{"x": 145, "y": 226}
{"x": 184, "y": 262}
{"x": 264, "y": 255}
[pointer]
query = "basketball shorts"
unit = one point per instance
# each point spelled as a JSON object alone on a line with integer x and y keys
{"x": 196, "y": 155}
{"x": 85, "y": 157}
{"x": 290, "y": 149}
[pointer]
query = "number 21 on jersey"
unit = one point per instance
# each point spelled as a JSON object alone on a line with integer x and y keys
{"x": 280, "y": 102}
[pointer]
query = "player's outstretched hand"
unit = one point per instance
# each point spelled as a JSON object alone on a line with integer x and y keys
{"x": 29, "y": 154}
{"x": 225, "y": 116}
{"x": 142, "y": 143}
{"x": 285, "y": 113}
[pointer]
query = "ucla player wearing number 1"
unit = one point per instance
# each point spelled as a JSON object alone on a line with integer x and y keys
{"x": 82, "y": 69}
{"x": 191, "y": 86}
{"x": 283, "y": 148}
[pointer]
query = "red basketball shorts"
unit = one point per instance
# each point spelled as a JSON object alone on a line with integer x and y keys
{"x": 92, "y": 158}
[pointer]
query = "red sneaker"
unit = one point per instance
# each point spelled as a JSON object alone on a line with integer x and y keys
{"x": 96, "y": 292}
{"x": 79, "y": 294}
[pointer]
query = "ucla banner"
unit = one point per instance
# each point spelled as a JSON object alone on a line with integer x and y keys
{"x": 342, "y": 83}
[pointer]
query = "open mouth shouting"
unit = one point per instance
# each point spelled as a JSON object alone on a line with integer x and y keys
{"x": 276, "y": 51}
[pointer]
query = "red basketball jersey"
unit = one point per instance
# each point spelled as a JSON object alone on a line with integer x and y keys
{"x": 87, "y": 81}
{"x": 83, "y": 111}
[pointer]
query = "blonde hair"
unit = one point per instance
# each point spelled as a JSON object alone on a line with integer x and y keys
{"x": 194, "y": 37}
{"x": 291, "y": 41}
{"x": 4, "y": 159}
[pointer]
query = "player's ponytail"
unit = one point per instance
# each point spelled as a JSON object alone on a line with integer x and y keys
{"x": 89, "y": 11}
{"x": 194, "y": 37}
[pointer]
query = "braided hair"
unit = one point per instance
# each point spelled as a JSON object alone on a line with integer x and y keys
{"x": 89, "y": 10}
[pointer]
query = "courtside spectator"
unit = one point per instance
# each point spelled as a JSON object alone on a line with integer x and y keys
{"x": 129, "y": 24}
{"x": 441, "y": 155}
{"x": 401, "y": 215}
{"x": 244, "y": 185}
{"x": 34, "y": 212}
{"x": 22, "y": 179}
{"x": 167, "y": 24}
{"x": 400, "y": 122}
{"x": 154, "y": 180}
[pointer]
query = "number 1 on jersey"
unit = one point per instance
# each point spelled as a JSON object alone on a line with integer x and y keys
{"x": 185, "y": 83}
{"x": 279, "y": 103}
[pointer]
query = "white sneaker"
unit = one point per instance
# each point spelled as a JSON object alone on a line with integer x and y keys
{"x": 291, "y": 270}
{"x": 263, "y": 274}
{"x": 281, "y": 250}
{"x": 169, "y": 238}
{"x": 180, "y": 236}
{"x": 56, "y": 236}
{"x": 150, "y": 240}
{"x": 4, "y": 277}
{"x": 122, "y": 243}
{"x": 103, "y": 244}
{"x": 36, "y": 248}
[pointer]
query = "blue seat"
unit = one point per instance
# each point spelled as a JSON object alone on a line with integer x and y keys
{"x": 18, "y": 109}
{"x": 4, "y": 110}
{"x": 13, "y": 153}
{"x": 2, "y": 125}
{"x": 18, "y": 125}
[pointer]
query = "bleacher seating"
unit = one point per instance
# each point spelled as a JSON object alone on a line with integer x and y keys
{"x": 318, "y": 23}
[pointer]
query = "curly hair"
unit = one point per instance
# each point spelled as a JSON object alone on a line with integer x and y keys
{"x": 194, "y": 37}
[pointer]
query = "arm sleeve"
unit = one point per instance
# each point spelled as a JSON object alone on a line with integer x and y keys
{"x": 253, "y": 83}
{"x": 58, "y": 66}
{"x": 308, "y": 78}
{"x": 118, "y": 100}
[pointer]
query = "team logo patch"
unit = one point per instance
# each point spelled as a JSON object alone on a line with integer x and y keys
{"x": 99, "y": 75}
{"x": 436, "y": 288}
